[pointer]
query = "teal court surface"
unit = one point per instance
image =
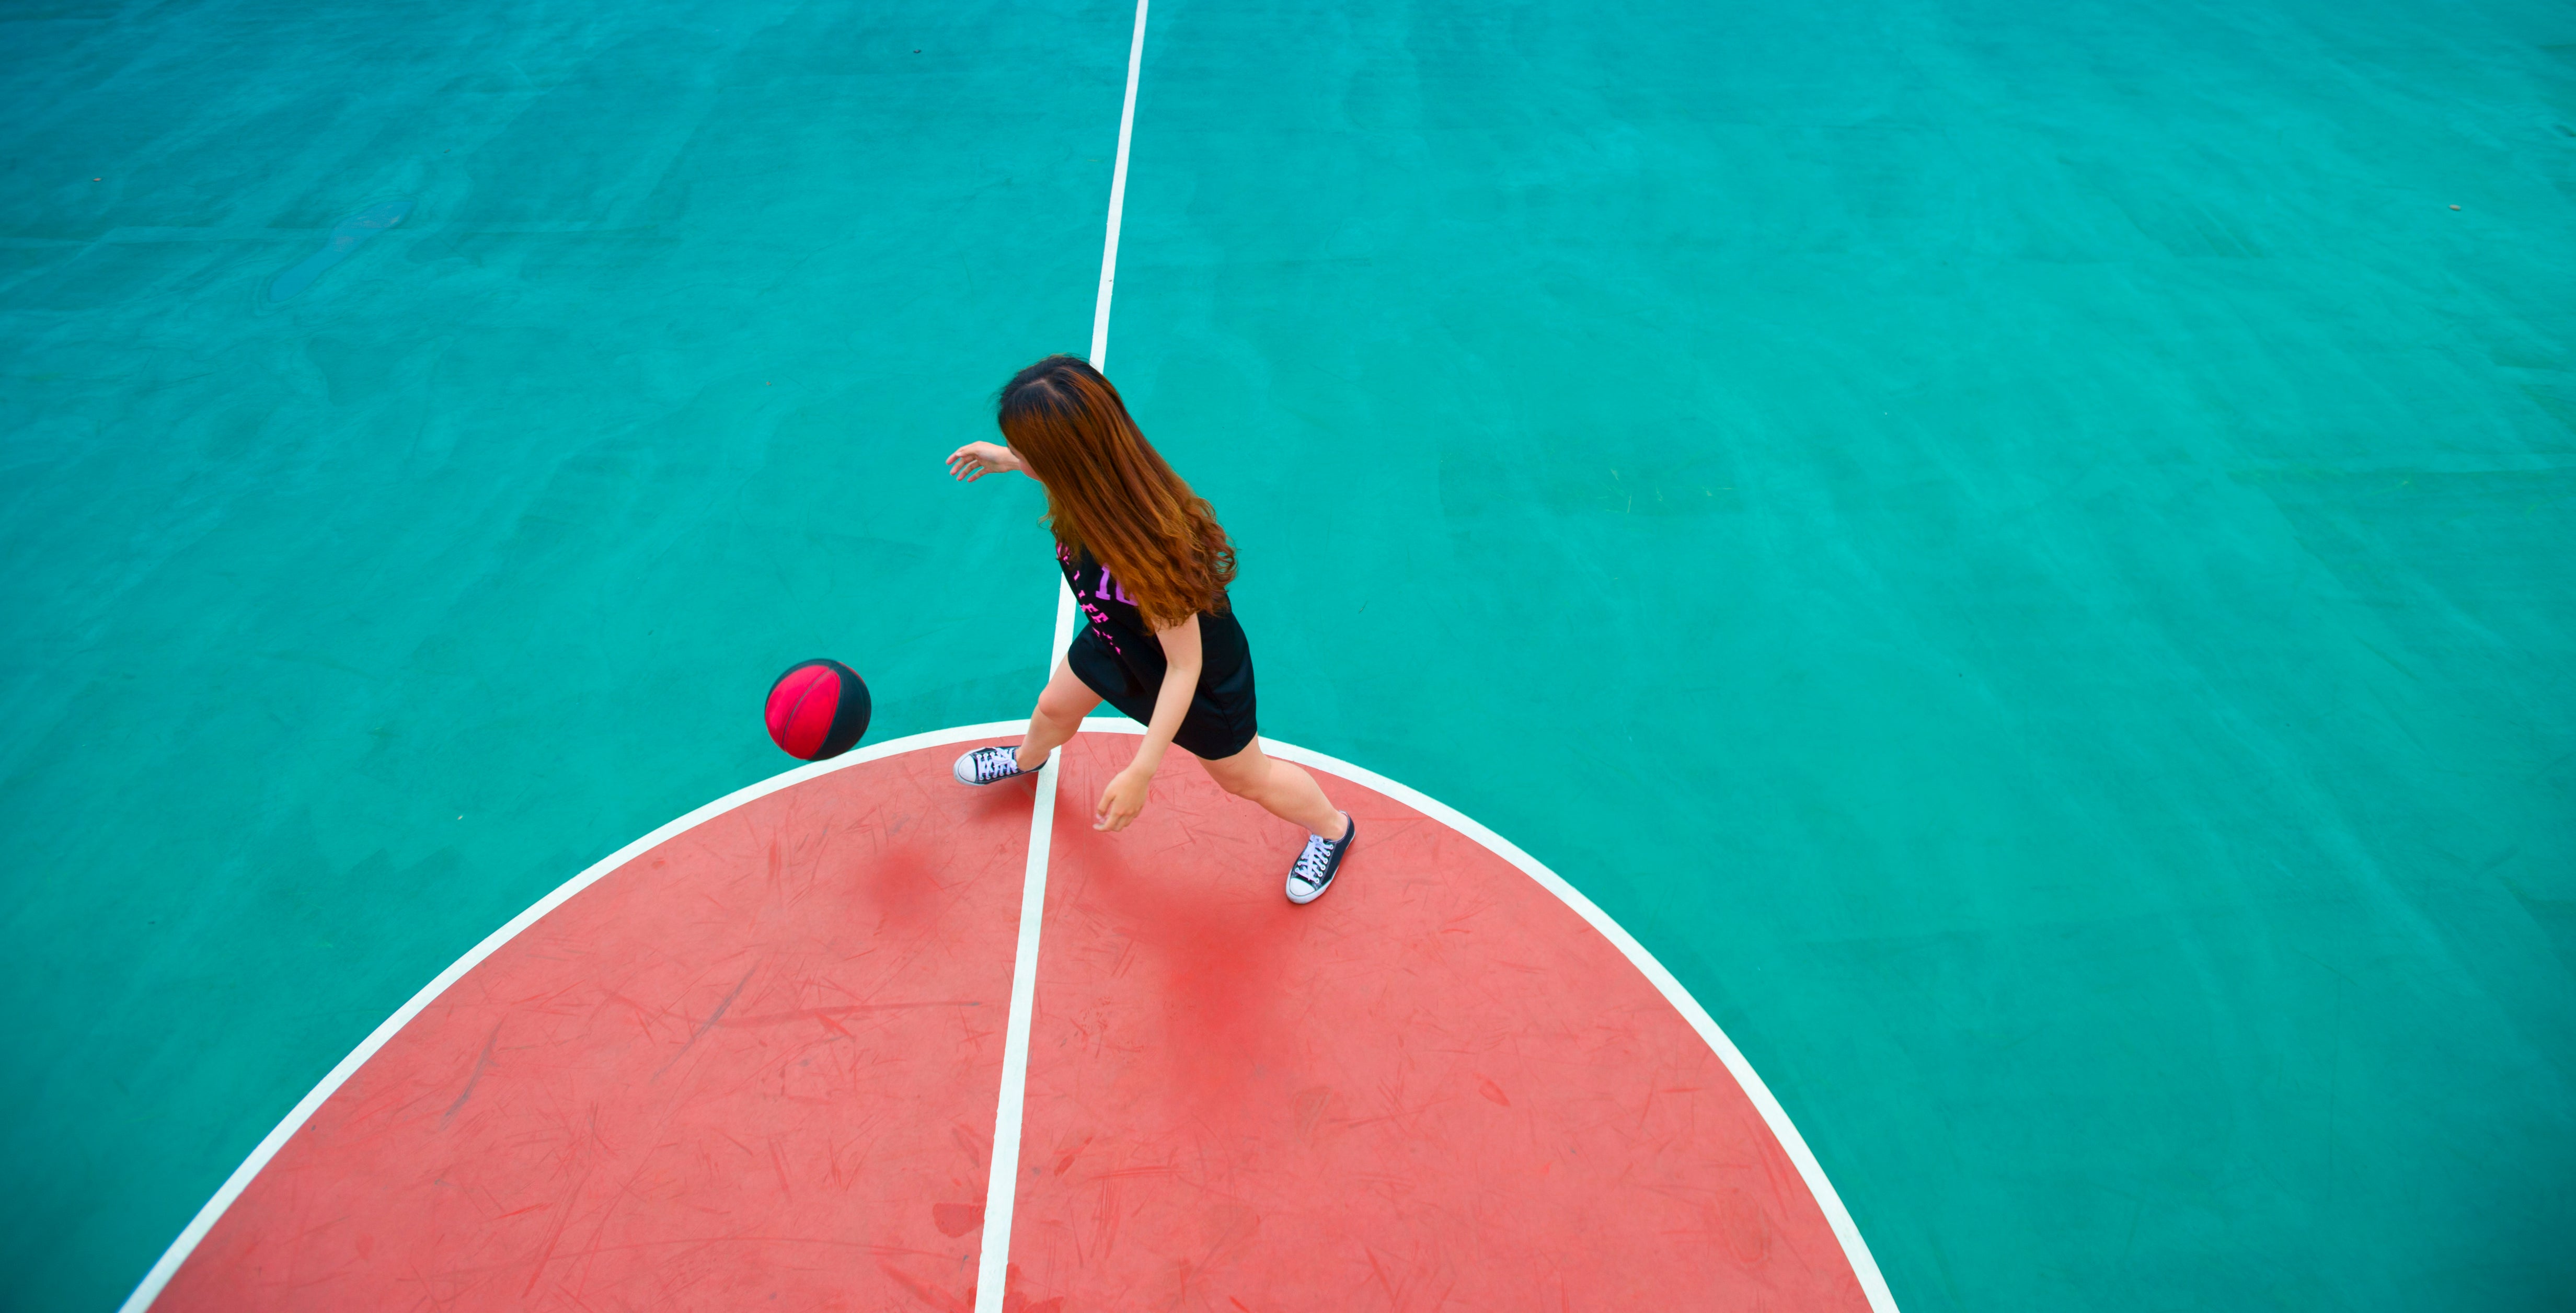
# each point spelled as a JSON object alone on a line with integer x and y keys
{"x": 1950, "y": 625}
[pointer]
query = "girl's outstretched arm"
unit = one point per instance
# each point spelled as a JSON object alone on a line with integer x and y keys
{"x": 1125, "y": 795}
{"x": 977, "y": 459}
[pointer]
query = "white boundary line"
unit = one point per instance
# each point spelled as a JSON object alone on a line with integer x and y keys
{"x": 204, "y": 1221}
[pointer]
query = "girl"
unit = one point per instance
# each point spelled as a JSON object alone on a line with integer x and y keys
{"x": 1149, "y": 565}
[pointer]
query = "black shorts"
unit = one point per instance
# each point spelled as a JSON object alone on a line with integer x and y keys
{"x": 1219, "y": 723}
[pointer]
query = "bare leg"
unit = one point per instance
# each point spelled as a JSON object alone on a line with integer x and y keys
{"x": 1283, "y": 788}
{"x": 1060, "y": 711}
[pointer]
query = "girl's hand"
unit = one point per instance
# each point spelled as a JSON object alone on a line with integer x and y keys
{"x": 977, "y": 459}
{"x": 1124, "y": 797}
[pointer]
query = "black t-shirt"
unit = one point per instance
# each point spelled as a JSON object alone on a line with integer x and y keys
{"x": 1116, "y": 623}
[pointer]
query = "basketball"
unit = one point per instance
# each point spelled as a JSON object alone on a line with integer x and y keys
{"x": 818, "y": 709}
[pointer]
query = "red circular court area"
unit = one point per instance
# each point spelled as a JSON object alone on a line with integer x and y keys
{"x": 757, "y": 1065}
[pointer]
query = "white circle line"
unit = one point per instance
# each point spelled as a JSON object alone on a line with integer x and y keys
{"x": 1855, "y": 1250}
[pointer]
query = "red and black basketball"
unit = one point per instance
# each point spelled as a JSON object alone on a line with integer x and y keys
{"x": 818, "y": 709}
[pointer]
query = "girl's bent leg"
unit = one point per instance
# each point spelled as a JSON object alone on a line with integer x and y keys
{"x": 1060, "y": 711}
{"x": 1283, "y": 788}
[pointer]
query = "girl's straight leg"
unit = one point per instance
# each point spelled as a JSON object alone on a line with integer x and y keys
{"x": 1283, "y": 788}
{"x": 1059, "y": 715}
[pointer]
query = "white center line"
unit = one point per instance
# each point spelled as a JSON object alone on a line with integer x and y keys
{"x": 1117, "y": 198}
{"x": 1001, "y": 1182}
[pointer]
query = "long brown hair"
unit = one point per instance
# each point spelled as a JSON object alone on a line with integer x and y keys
{"x": 1111, "y": 494}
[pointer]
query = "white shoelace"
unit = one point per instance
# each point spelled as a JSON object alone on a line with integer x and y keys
{"x": 1312, "y": 863}
{"x": 996, "y": 764}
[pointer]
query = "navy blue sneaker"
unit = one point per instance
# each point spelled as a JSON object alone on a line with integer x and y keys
{"x": 987, "y": 765}
{"x": 1313, "y": 873}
